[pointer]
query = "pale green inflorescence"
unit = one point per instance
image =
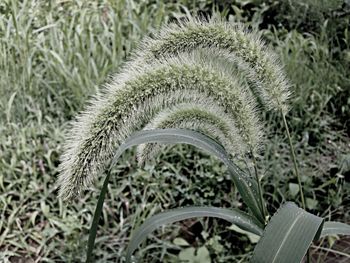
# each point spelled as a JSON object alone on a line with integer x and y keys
{"x": 222, "y": 60}
{"x": 205, "y": 117}
{"x": 232, "y": 41}
{"x": 136, "y": 96}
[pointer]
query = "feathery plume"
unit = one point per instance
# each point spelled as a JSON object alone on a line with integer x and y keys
{"x": 263, "y": 69}
{"x": 134, "y": 97}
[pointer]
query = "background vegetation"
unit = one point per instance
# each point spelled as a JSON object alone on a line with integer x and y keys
{"x": 54, "y": 55}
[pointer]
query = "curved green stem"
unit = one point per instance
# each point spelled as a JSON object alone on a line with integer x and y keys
{"x": 294, "y": 161}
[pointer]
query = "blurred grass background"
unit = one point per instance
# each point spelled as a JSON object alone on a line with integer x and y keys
{"x": 54, "y": 55}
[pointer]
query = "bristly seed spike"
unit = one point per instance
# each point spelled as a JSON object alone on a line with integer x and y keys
{"x": 162, "y": 84}
{"x": 183, "y": 76}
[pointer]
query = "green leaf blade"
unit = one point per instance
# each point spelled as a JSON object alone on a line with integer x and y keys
{"x": 245, "y": 185}
{"x": 335, "y": 228}
{"x": 234, "y": 216}
{"x": 287, "y": 236}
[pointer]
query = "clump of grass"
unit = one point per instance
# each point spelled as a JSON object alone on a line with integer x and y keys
{"x": 64, "y": 50}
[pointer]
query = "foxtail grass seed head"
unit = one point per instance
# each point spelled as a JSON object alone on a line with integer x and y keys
{"x": 134, "y": 97}
{"x": 261, "y": 65}
{"x": 205, "y": 117}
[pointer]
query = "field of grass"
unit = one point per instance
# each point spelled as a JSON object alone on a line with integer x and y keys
{"x": 54, "y": 55}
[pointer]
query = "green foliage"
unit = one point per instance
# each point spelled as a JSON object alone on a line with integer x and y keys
{"x": 62, "y": 51}
{"x": 171, "y": 216}
{"x": 48, "y": 90}
{"x": 245, "y": 185}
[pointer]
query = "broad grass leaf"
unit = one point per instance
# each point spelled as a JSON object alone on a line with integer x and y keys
{"x": 287, "y": 236}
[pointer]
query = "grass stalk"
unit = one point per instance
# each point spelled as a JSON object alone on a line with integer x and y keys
{"x": 263, "y": 209}
{"x": 296, "y": 170}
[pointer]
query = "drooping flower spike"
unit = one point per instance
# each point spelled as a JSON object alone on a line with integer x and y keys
{"x": 135, "y": 96}
{"x": 238, "y": 45}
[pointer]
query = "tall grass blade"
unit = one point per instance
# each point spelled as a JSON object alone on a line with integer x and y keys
{"x": 237, "y": 217}
{"x": 9, "y": 106}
